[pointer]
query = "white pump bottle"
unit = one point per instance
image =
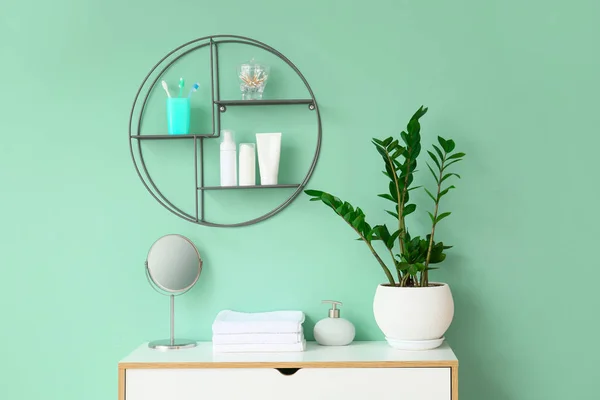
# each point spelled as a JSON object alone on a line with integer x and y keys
{"x": 334, "y": 331}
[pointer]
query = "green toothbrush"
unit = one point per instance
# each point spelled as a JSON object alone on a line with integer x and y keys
{"x": 181, "y": 84}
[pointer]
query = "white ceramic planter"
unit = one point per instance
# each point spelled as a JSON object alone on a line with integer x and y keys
{"x": 414, "y": 318}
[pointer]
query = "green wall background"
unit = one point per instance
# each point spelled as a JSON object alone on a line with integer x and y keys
{"x": 514, "y": 83}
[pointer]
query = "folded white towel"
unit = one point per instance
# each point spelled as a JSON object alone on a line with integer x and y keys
{"x": 228, "y": 321}
{"x": 258, "y": 338}
{"x": 259, "y": 348}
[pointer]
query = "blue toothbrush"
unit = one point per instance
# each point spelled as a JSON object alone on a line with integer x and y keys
{"x": 193, "y": 89}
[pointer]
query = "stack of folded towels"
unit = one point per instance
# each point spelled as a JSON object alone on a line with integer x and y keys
{"x": 277, "y": 331}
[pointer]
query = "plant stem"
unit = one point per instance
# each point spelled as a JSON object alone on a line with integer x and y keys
{"x": 394, "y": 261}
{"x": 386, "y": 270}
{"x": 425, "y": 274}
{"x": 401, "y": 224}
{"x": 404, "y": 280}
{"x": 400, "y": 205}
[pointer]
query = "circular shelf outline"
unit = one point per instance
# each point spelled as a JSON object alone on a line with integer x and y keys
{"x": 213, "y": 40}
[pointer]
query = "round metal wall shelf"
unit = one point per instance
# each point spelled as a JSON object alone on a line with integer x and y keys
{"x": 219, "y": 106}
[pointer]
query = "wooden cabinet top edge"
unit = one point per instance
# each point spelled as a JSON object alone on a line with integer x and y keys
{"x": 333, "y": 364}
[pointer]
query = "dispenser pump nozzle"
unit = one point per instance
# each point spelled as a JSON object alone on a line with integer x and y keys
{"x": 333, "y": 312}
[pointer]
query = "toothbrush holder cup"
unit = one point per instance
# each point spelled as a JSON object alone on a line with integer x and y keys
{"x": 178, "y": 115}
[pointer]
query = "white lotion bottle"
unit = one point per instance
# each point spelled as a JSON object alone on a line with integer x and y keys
{"x": 247, "y": 164}
{"x": 228, "y": 159}
{"x": 334, "y": 331}
{"x": 269, "y": 151}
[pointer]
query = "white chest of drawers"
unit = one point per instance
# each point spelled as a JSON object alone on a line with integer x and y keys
{"x": 363, "y": 370}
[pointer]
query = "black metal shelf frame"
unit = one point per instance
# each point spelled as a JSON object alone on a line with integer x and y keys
{"x": 219, "y": 106}
{"x": 169, "y": 137}
{"x": 280, "y": 186}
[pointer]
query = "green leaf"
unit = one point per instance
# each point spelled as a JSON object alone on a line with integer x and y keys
{"x": 366, "y": 228}
{"x": 433, "y": 173}
{"x": 393, "y": 214}
{"x": 336, "y": 202}
{"x": 349, "y": 216}
{"x": 404, "y": 137}
{"x": 451, "y": 145}
{"x": 387, "y": 141}
{"x": 416, "y": 150}
{"x": 361, "y": 225}
{"x": 393, "y": 191}
{"x": 412, "y": 270}
{"x": 443, "y": 192}
{"x": 397, "y": 152}
{"x": 413, "y": 166}
{"x": 327, "y": 199}
{"x": 452, "y": 162}
{"x": 443, "y": 143}
{"x": 393, "y": 145}
{"x": 448, "y": 175}
{"x": 420, "y": 112}
{"x": 413, "y": 128}
{"x": 456, "y": 155}
{"x": 316, "y": 193}
{"x": 406, "y": 198}
{"x": 382, "y": 152}
{"x": 430, "y": 195}
{"x": 392, "y": 239}
{"x": 403, "y": 266}
{"x": 377, "y": 141}
{"x": 434, "y": 158}
{"x": 408, "y": 209}
{"x": 382, "y": 233}
{"x": 437, "y": 150}
{"x": 410, "y": 179}
{"x": 369, "y": 235}
{"x": 431, "y": 217}
{"x": 374, "y": 233}
{"x": 358, "y": 220}
{"x": 437, "y": 253}
{"x": 389, "y": 169}
{"x": 387, "y": 197}
{"x": 442, "y": 216}
{"x": 315, "y": 199}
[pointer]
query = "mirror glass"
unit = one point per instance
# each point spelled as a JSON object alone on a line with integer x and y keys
{"x": 174, "y": 264}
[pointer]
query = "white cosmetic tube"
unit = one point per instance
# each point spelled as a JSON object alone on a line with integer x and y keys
{"x": 247, "y": 164}
{"x": 269, "y": 150}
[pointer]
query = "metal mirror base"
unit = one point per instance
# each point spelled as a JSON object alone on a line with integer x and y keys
{"x": 167, "y": 344}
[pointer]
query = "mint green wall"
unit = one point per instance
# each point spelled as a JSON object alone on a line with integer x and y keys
{"x": 514, "y": 83}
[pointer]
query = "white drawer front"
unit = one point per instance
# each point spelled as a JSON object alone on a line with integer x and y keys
{"x": 269, "y": 384}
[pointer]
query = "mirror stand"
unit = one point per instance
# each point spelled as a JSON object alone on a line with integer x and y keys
{"x": 172, "y": 343}
{"x": 173, "y": 267}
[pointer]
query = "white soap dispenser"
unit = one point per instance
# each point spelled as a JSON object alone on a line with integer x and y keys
{"x": 334, "y": 331}
{"x": 228, "y": 159}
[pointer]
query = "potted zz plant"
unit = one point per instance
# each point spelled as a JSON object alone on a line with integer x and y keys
{"x": 412, "y": 312}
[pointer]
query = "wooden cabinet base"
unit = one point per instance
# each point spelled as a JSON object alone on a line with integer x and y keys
{"x": 363, "y": 370}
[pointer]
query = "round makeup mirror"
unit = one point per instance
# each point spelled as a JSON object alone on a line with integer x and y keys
{"x": 173, "y": 267}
